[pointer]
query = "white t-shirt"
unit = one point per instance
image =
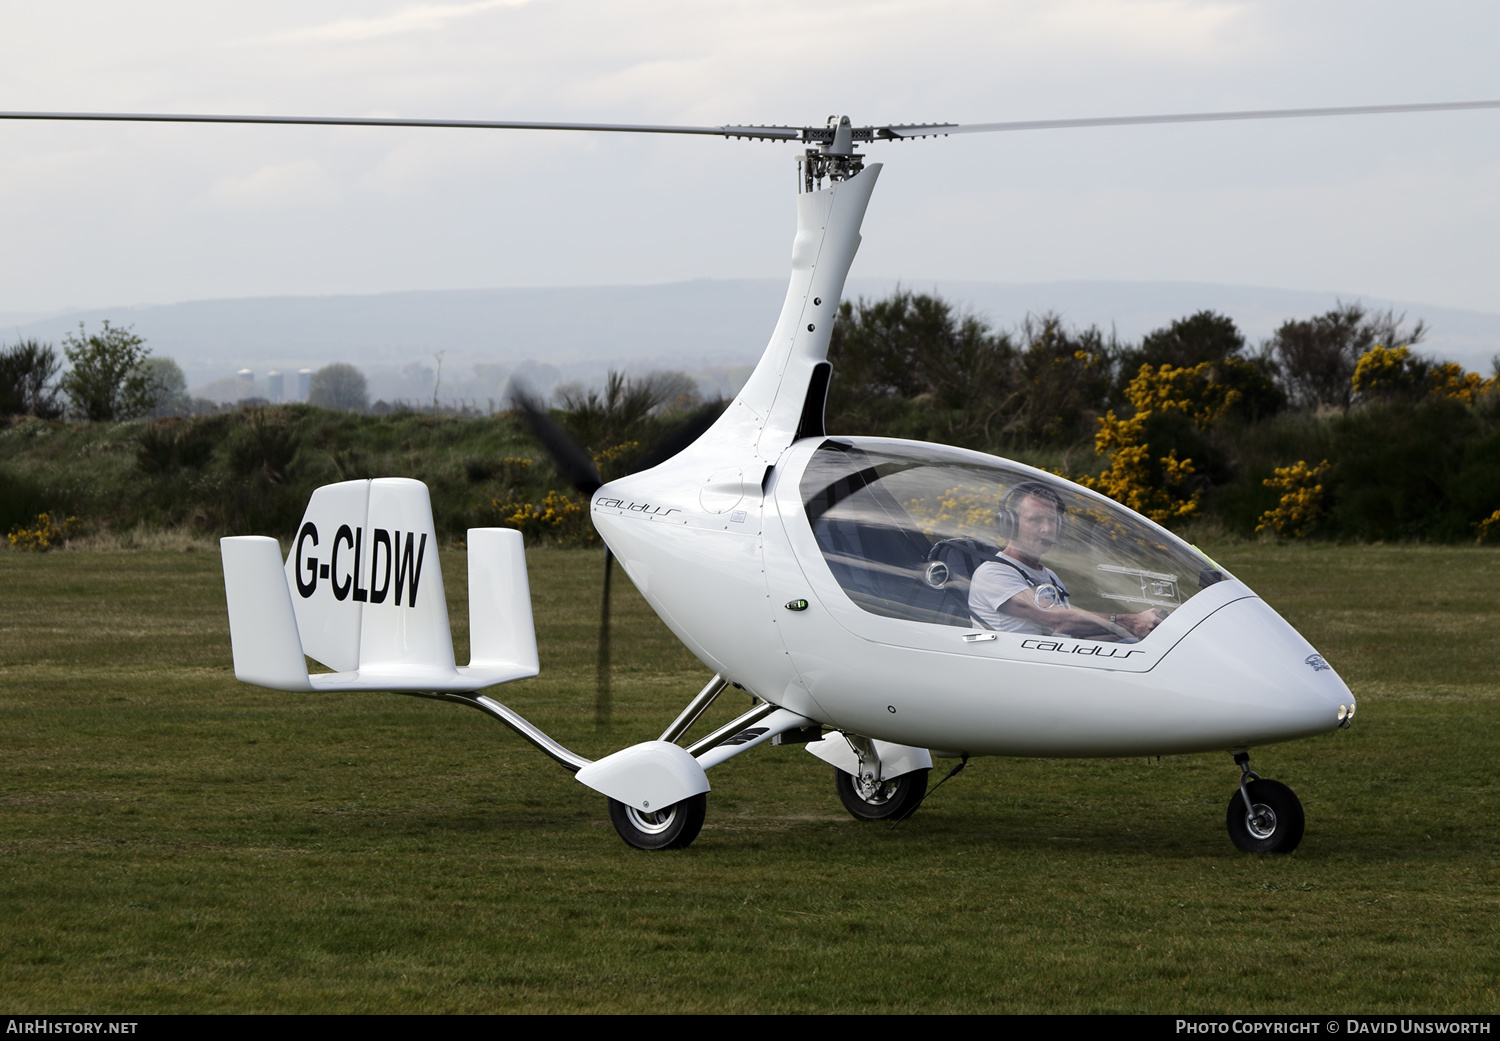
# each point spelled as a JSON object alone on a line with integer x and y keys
{"x": 994, "y": 583}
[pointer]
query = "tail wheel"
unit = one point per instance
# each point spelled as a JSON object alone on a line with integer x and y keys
{"x": 880, "y": 800}
{"x": 1272, "y": 824}
{"x": 674, "y": 827}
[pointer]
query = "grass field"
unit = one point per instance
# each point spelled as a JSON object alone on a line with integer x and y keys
{"x": 173, "y": 841}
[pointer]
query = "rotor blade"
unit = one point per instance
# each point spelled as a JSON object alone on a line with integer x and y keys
{"x": 1181, "y": 117}
{"x": 822, "y": 135}
{"x": 572, "y": 462}
{"x": 680, "y": 436}
{"x": 765, "y": 133}
{"x": 602, "y": 705}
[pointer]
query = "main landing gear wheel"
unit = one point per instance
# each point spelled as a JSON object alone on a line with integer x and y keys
{"x": 1273, "y": 824}
{"x": 672, "y": 828}
{"x": 882, "y": 800}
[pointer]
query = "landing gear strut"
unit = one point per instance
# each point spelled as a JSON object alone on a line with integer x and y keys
{"x": 1264, "y": 816}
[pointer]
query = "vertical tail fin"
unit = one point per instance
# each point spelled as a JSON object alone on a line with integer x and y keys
{"x": 364, "y": 569}
{"x": 501, "y": 631}
{"x": 262, "y": 625}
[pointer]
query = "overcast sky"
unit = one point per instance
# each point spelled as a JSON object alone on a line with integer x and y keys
{"x": 1401, "y": 207}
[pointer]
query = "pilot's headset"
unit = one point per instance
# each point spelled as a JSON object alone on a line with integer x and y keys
{"x": 1007, "y": 520}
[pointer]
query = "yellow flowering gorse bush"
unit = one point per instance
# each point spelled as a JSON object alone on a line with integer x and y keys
{"x": 1386, "y": 370}
{"x": 1155, "y": 487}
{"x": 1301, "y": 500}
{"x": 558, "y": 516}
{"x": 966, "y": 509}
{"x": 1380, "y": 368}
{"x": 44, "y": 534}
{"x": 623, "y": 450}
{"x": 1449, "y": 380}
{"x": 1488, "y": 527}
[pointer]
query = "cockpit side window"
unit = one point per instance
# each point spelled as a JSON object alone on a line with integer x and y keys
{"x": 872, "y": 546}
{"x": 943, "y": 536}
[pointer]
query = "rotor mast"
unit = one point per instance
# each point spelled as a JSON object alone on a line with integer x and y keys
{"x": 833, "y": 160}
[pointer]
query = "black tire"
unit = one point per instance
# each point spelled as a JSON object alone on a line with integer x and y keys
{"x": 1280, "y": 827}
{"x": 672, "y": 828}
{"x": 893, "y": 798}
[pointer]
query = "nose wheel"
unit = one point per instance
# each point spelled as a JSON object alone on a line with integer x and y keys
{"x": 1264, "y": 816}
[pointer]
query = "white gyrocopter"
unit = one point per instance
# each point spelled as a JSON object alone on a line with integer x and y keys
{"x": 884, "y": 601}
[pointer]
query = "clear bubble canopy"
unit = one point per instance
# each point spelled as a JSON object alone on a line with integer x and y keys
{"x": 905, "y": 526}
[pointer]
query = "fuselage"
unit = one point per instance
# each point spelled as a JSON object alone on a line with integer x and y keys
{"x": 878, "y": 651}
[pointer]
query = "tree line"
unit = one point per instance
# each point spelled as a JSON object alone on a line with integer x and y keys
{"x": 1334, "y": 425}
{"x": 113, "y": 376}
{"x": 913, "y": 359}
{"x": 110, "y": 376}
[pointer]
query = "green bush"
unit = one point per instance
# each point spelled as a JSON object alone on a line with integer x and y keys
{"x": 1414, "y": 470}
{"x": 107, "y": 381}
{"x": 22, "y": 498}
{"x": 27, "y": 369}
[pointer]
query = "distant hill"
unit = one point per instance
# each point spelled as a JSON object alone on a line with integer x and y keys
{"x": 700, "y": 326}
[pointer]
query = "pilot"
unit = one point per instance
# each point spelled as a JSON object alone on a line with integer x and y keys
{"x": 1017, "y": 593}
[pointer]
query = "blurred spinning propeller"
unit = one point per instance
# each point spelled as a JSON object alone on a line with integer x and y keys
{"x": 578, "y": 468}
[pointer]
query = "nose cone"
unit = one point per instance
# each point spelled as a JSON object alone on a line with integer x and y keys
{"x": 1254, "y": 677}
